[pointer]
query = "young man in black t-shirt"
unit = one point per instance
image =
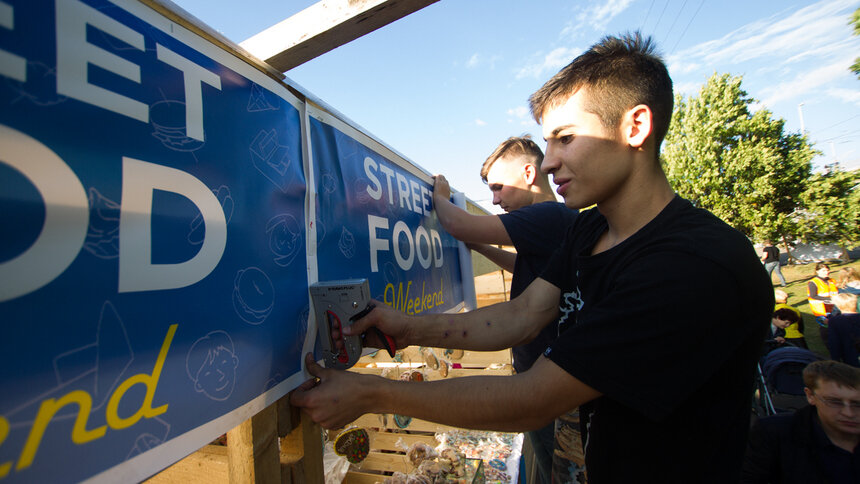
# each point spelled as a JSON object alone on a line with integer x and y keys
{"x": 663, "y": 402}
{"x": 535, "y": 225}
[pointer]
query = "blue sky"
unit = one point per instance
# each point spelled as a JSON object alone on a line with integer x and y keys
{"x": 446, "y": 84}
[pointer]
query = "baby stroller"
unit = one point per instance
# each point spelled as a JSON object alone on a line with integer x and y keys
{"x": 780, "y": 385}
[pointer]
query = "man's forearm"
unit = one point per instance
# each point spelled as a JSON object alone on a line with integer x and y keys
{"x": 502, "y": 258}
{"x": 514, "y": 403}
{"x": 490, "y": 328}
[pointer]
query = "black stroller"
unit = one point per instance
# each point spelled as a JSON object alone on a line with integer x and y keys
{"x": 779, "y": 388}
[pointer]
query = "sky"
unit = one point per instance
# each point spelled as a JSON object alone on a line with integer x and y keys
{"x": 446, "y": 84}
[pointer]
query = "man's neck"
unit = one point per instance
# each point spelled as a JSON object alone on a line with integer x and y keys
{"x": 639, "y": 202}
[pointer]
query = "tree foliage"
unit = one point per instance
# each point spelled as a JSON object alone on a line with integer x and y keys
{"x": 740, "y": 165}
{"x": 832, "y": 209}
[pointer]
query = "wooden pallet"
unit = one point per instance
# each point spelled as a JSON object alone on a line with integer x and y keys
{"x": 388, "y": 442}
{"x": 277, "y": 445}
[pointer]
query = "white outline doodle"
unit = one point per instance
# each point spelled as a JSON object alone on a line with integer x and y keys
{"x": 285, "y": 238}
{"x": 103, "y": 232}
{"x": 346, "y": 243}
{"x": 259, "y": 100}
{"x": 211, "y": 364}
{"x": 272, "y": 159}
{"x": 167, "y": 118}
{"x": 197, "y": 229}
{"x": 253, "y": 295}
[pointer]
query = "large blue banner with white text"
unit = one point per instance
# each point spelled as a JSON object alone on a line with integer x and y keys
{"x": 153, "y": 269}
{"x": 375, "y": 219}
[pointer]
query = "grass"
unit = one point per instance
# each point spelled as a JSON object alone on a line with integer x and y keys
{"x": 796, "y": 276}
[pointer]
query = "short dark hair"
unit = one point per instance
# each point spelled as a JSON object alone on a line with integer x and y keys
{"x": 819, "y": 265}
{"x": 515, "y": 145}
{"x": 620, "y": 73}
{"x": 786, "y": 314}
{"x": 835, "y": 371}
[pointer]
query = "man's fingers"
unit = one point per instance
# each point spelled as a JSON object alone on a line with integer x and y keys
{"x": 312, "y": 366}
{"x": 359, "y": 326}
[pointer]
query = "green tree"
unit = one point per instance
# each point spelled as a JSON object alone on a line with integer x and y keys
{"x": 740, "y": 165}
{"x": 832, "y": 209}
{"x": 855, "y": 21}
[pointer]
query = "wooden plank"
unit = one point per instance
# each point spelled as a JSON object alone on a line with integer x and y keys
{"x": 431, "y": 375}
{"x": 354, "y": 477}
{"x": 470, "y": 359}
{"x": 373, "y": 421}
{"x": 312, "y": 443}
{"x": 209, "y": 464}
{"x": 394, "y": 441}
{"x": 177, "y": 14}
{"x": 324, "y": 26}
{"x": 377, "y": 461}
{"x": 252, "y": 449}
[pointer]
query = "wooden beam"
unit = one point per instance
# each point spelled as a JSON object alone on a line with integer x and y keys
{"x": 208, "y": 464}
{"x": 324, "y": 26}
{"x": 252, "y": 449}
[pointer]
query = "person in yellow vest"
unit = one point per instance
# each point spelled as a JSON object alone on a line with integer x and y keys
{"x": 818, "y": 292}
{"x": 794, "y": 329}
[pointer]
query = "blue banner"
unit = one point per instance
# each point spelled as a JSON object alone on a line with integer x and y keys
{"x": 375, "y": 219}
{"x": 153, "y": 270}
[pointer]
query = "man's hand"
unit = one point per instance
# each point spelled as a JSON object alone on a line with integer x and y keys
{"x": 441, "y": 188}
{"x": 389, "y": 321}
{"x": 333, "y": 398}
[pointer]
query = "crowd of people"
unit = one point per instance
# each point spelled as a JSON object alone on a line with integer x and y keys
{"x": 611, "y": 344}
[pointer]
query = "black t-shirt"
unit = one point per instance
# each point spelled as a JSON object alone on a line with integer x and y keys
{"x": 536, "y": 232}
{"x": 668, "y": 327}
{"x": 772, "y": 254}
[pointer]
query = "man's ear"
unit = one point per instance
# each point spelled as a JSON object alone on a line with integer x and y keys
{"x": 529, "y": 173}
{"x": 638, "y": 125}
{"x": 808, "y": 393}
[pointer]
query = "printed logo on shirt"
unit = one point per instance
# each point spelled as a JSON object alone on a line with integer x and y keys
{"x": 570, "y": 303}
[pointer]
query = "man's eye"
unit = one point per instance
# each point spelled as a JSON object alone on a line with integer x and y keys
{"x": 565, "y": 139}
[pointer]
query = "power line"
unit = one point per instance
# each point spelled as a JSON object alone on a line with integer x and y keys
{"x": 676, "y": 19}
{"x": 660, "y": 17}
{"x": 687, "y": 27}
{"x": 840, "y": 122}
{"x": 642, "y": 25}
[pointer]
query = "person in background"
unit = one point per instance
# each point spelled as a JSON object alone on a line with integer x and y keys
{"x": 659, "y": 401}
{"x": 770, "y": 258}
{"x": 849, "y": 281}
{"x": 818, "y": 443}
{"x": 794, "y": 330}
{"x": 844, "y": 330}
{"x": 782, "y": 319}
{"x": 535, "y": 225}
{"x": 818, "y": 292}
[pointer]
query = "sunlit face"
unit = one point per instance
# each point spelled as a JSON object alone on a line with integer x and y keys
{"x": 509, "y": 182}
{"x": 589, "y": 163}
{"x": 824, "y": 272}
{"x": 830, "y": 402}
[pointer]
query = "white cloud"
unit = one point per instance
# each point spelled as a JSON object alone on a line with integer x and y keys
{"x": 846, "y": 95}
{"x": 473, "y": 61}
{"x": 552, "y": 61}
{"x": 480, "y": 122}
{"x": 815, "y": 31}
{"x": 807, "y": 81}
{"x": 686, "y": 88}
{"x": 596, "y": 17}
{"x": 478, "y": 60}
{"x": 519, "y": 112}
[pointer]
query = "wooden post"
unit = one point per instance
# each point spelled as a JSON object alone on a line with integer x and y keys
{"x": 252, "y": 449}
{"x": 301, "y": 446}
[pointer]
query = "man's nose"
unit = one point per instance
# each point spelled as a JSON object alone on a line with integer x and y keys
{"x": 496, "y": 198}
{"x": 549, "y": 163}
